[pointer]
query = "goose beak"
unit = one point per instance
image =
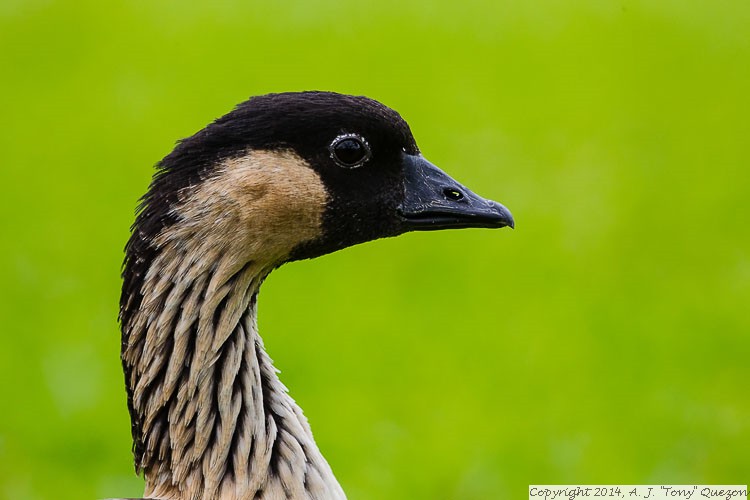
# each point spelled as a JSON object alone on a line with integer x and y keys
{"x": 433, "y": 200}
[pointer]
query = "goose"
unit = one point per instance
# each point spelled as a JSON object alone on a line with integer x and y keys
{"x": 280, "y": 178}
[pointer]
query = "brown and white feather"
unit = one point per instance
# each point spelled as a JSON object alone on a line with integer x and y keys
{"x": 216, "y": 421}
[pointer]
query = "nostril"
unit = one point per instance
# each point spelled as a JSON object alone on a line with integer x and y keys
{"x": 453, "y": 194}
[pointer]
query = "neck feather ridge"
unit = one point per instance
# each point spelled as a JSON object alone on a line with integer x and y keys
{"x": 210, "y": 417}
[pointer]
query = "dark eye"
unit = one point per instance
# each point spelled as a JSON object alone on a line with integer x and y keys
{"x": 349, "y": 150}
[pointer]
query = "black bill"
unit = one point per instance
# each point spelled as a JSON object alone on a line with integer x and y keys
{"x": 433, "y": 200}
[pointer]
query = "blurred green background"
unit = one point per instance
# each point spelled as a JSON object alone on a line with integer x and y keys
{"x": 605, "y": 340}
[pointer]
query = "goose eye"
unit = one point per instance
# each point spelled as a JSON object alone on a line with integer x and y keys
{"x": 349, "y": 151}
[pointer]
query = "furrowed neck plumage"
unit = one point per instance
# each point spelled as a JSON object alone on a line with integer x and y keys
{"x": 210, "y": 417}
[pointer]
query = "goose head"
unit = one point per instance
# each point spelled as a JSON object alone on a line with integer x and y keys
{"x": 282, "y": 177}
{"x": 310, "y": 173}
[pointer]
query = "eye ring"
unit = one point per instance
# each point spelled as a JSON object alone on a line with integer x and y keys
{"x": 350, "y": 150}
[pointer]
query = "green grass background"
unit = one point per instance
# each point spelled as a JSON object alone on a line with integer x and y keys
{"x": 605, "y": 340}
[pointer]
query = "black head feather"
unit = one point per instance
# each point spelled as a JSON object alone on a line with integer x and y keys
{"x": 305, "y": 123}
